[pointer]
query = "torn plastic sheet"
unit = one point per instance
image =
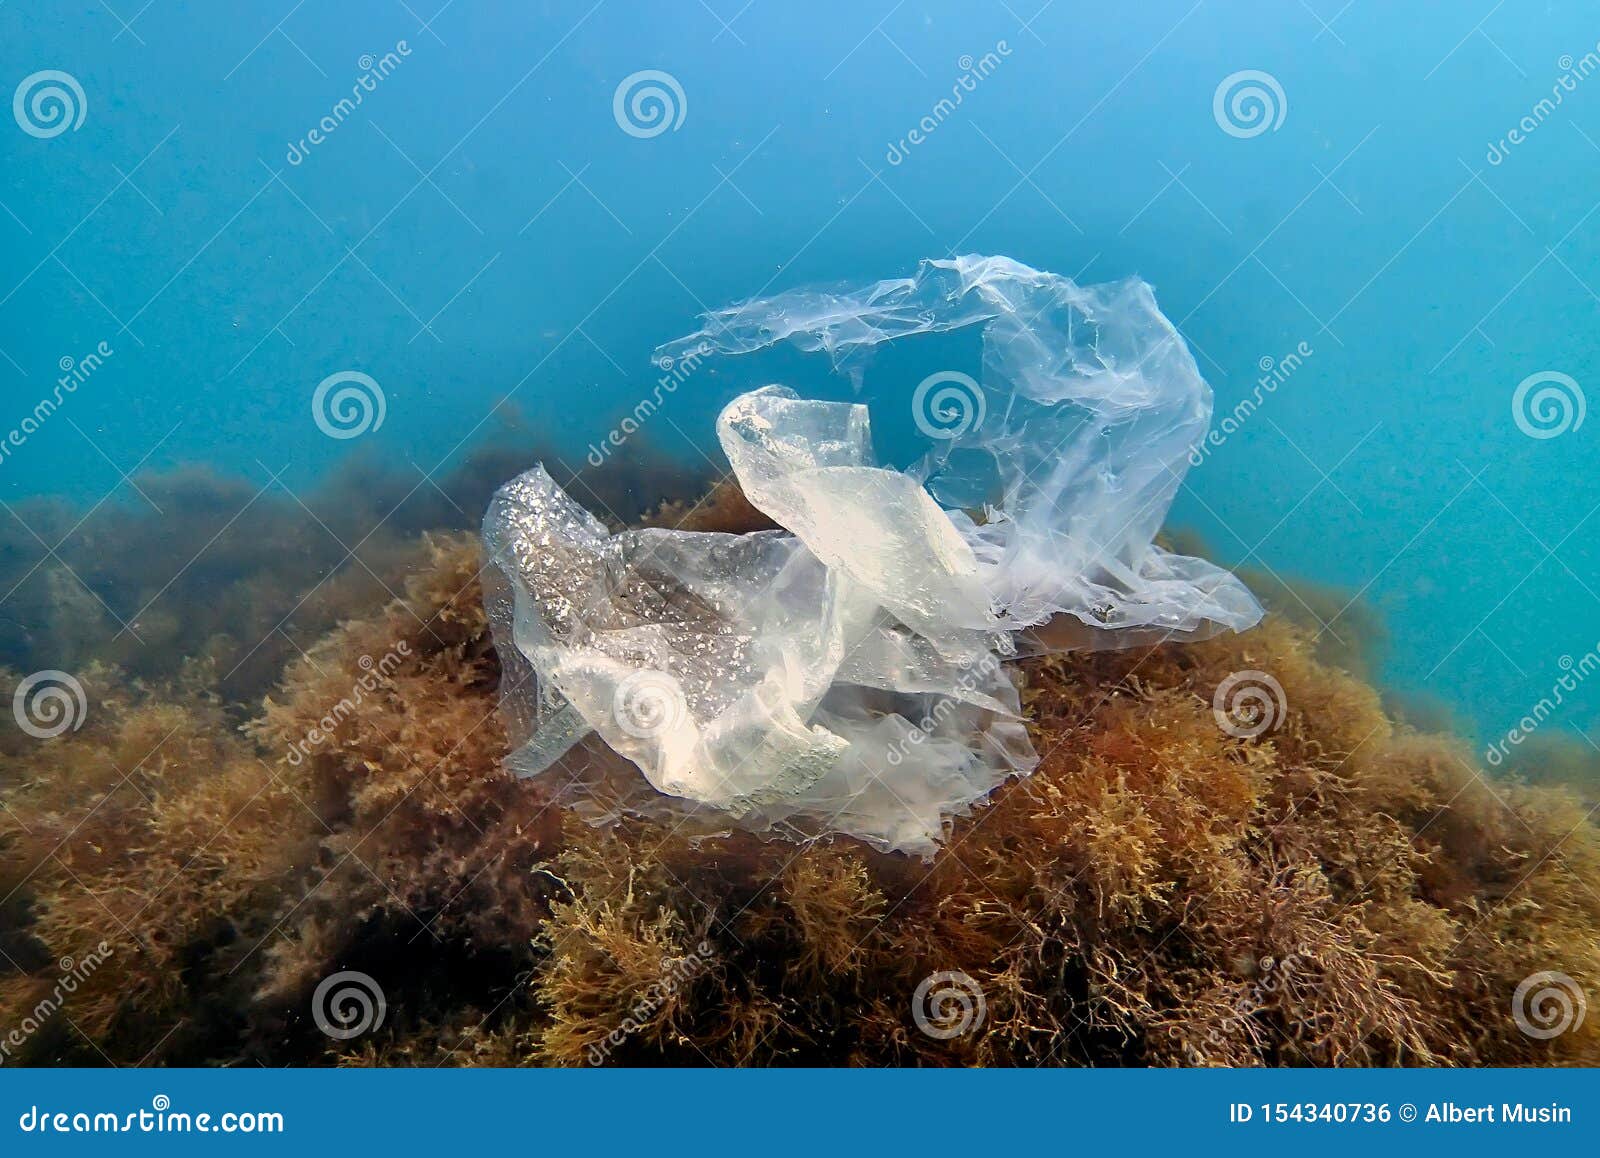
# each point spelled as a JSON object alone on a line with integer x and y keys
{"x": 844, "y": 674}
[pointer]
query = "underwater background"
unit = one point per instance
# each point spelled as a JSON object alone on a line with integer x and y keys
{"x": 288, "y": 289}
{"x": 484, "y": 237}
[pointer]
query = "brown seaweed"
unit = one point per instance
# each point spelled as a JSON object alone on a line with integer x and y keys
{"x": 1337, "y": 890}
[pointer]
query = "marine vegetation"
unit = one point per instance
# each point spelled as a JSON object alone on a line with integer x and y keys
{"x": 1309, "y": 882}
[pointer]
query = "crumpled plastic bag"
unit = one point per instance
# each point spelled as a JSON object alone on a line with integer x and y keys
{"x": 845, "y": 674}
{"x": 1087, "y": 406}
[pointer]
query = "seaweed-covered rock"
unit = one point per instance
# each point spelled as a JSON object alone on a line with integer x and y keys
{"x": 1306, "y": 881}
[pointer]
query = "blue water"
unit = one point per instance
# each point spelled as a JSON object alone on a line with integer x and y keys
{"x": 485, "y": 241}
